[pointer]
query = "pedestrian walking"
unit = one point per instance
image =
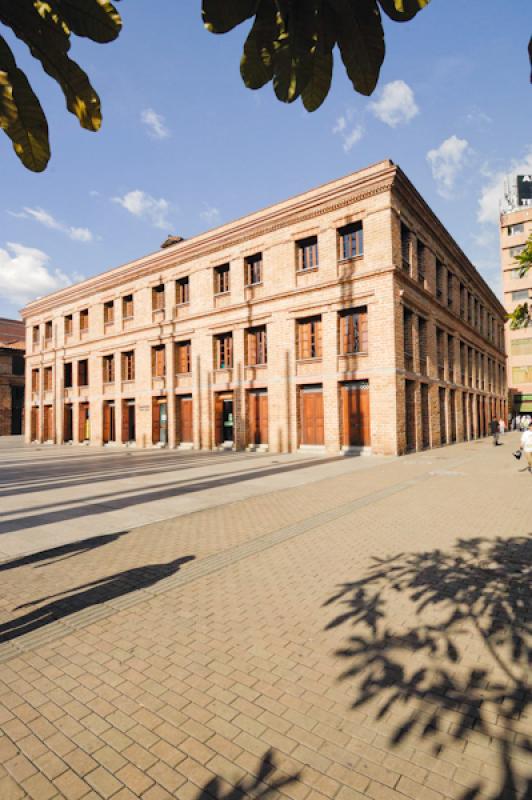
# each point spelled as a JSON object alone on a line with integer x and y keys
{"x": 494, "y": 430}
{"x": 502, "y": 427}
{"x": 526, "y": 445}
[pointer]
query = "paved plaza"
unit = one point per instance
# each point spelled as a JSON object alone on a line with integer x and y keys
{"x": 309, "y": 628}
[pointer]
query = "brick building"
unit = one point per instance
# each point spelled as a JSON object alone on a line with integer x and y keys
{"x": 345, "y": 317}
{"x": 515, "y": 228}
{"x": 12, "y": 337}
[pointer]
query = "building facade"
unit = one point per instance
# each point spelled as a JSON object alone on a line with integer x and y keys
{"x": 515, "y": 229}
{"x": 344, "y": 318}
{"x": 12, "y": 338}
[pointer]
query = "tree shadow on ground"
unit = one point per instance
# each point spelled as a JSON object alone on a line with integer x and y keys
{"x": 264, "y": 784}
{"x": 54, "y": 554}
{"x": 89, "y": 594}
{"x": 443, "y": 642}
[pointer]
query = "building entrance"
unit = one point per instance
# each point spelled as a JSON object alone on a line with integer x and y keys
{"x": 68, "y": 423}
{"x": 355, "y": 414}
{"x": 128, "y": 421}
{"x": 84, "y": 422}
{"x": 258, "y": 417}
{"x": 109, "y": 423}
{"x": 224, "y": 419}
{"x": 184, "y": 423}
{"x": 311, "y": 415}
{"x": 160, "y": 421}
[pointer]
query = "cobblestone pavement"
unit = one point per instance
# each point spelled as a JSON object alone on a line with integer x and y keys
{"x": 367, "y": 636}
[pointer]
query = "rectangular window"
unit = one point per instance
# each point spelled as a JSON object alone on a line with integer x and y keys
{"x": 307, "y": 253}
{"x": 69, "y": 325}
{"x": 440, "y": 352}
{"x": 513, "y": 229}
{"x": 515, "y": 274}
{"x": 83, "y": 372}
{"x": 223, "y": 351}
{"x": 408, "y": 339}
{"x": 516, "y": 251}
{"x": 449, "y": 288}
{"x": 127, "y": 307}
{"x": 256, "y": 346}
{"x": 423, "y": 351}
{"x": 405, "y": 247}
{"x": 353, "y": 331}
{"x": 35, "y": 335}
{"x": 463, "y": 362}
{"x": 17, "y": 365}
{"x": 128, "y": 365}
{"x": 521, "y": 347}
{"x": 522, "y": 294}
{"x": 421, "y": 265}
{"x": 439, "y": 279}
{"x": 35, "y": 380}
{"x": 253, "y": 269}
{"x": 157, "y": 298}
{"x": 182, "y": 291}
{"x": 68, "y": 375}
{"x": 309, "y": 338}
{"x": 450, "y": 357}
{"x": 48, "y": 332}
{"x": 108, "y": 369}
{"x": 158, "y": 361}
{"x": 48, "y": 378}
{"x": 463, "y": 300}
{"x": 183, "y": 358}
{"x": 109, "y": 312}
{"x": 84, "y": 320}
{"x": 351, "y": 240}
{"x": 221, "y": 279}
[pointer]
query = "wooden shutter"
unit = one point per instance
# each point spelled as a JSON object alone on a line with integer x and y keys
{"x": 252, "y": 347}
{"x": 185, "y": 419}
{"x": 363, "y": 332}
{"x": 303, "y": 329}
{"x": 229, "y": 350}
{"x": 317, "y": 327}
{"x": 263, "y": 417}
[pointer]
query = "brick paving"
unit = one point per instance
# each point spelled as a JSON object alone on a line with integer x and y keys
{"x": 365, "y": 637}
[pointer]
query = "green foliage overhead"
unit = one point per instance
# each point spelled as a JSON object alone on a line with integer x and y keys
{"x": 45, "y": 27}
{"x": 291, "y": 42}
{"x": 519, "y": 317}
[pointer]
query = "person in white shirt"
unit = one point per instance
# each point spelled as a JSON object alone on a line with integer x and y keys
{"x": 526, "y": 445}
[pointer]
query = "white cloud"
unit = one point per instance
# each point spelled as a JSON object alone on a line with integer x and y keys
{"x": 396, "y": 104}
{"x": 143, "y": 205}
{"x": 210, "y": 215}
{"x": 492, "y": 193}
{"x": 446, "y": 161}
{"x": 154, "y": 123}
{"x": 44, "y": 217}
{"x": 25, "y": 274}
{"x": 349, "y": 132}
{"x": 478, "y": 117}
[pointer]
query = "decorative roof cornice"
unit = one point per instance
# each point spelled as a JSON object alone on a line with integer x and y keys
{"x": 330, "y": 197}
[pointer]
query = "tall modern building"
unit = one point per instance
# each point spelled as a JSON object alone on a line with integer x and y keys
{"x": 346, "y": 318}
{"x": 516, "y": 228}
{"x": 12, "y": 340}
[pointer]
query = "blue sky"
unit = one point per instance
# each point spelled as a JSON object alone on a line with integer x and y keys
{"x": 185, "y": 147}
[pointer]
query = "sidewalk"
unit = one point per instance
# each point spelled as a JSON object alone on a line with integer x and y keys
{"x": 366, "y": 636}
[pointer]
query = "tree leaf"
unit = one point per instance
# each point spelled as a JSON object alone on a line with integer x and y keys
{"x": 256, "y": 65}
{"x": 49, "y": 44}
{"x": 95, "y": 19}
{"x": 21, "y": 115}
{"x": 319, "y": 84}
{"x": 360, "y": 40}
{"x": 403, "y": 10}
{"x": 220, "y": 16}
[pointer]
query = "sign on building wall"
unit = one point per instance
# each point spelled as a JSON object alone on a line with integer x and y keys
{"x": 524, "y": 190}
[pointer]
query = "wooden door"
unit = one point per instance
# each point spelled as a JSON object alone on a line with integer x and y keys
{"x": 83, "y": 424}
{"x": 218, "y": 419}
{"x": 425, "y": 416}
{"x": 311, "y": 416}
{"x": 106, "y": 422}
{"x": 67, "y": 423}
{"x": 155, "y": 422}
{"x": 185, "y": 419}
{"x": 410, "y": 416}
{"x": 355, "y": 414}
{"x": 125, "y": 422}
{"x": 48, "y": 424}
{"x": 34, "y": 424}
{"x": 258, "y": 417}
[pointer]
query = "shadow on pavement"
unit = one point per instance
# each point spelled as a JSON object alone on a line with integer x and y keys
{"x": 62, "y": 553}
{"x": 89, "y": 594}
{"x": 442, "y": 646}
{"x": 261, "y": 786}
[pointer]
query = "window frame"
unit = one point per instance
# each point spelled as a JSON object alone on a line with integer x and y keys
{"x": 108, "y": 320}
{"x": 182, "y": 291}
{"x": 222, "y": 279}
{"x": 128, "y": 366}
{"x": 183, "y": 346}
{"x": 351, "y": 240}
{"x": 158, "y": 361}
{"x": 223, "y": 350}
{"x": 108, "y": 368}
{"x": 251, "y": 263}
{"x": 257, "y": 346}
{"x": 350, "y": 319}
{"x": 305, "y": 246}
{"x": 309, "y": 338}
{"x": 127, "y": 299}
